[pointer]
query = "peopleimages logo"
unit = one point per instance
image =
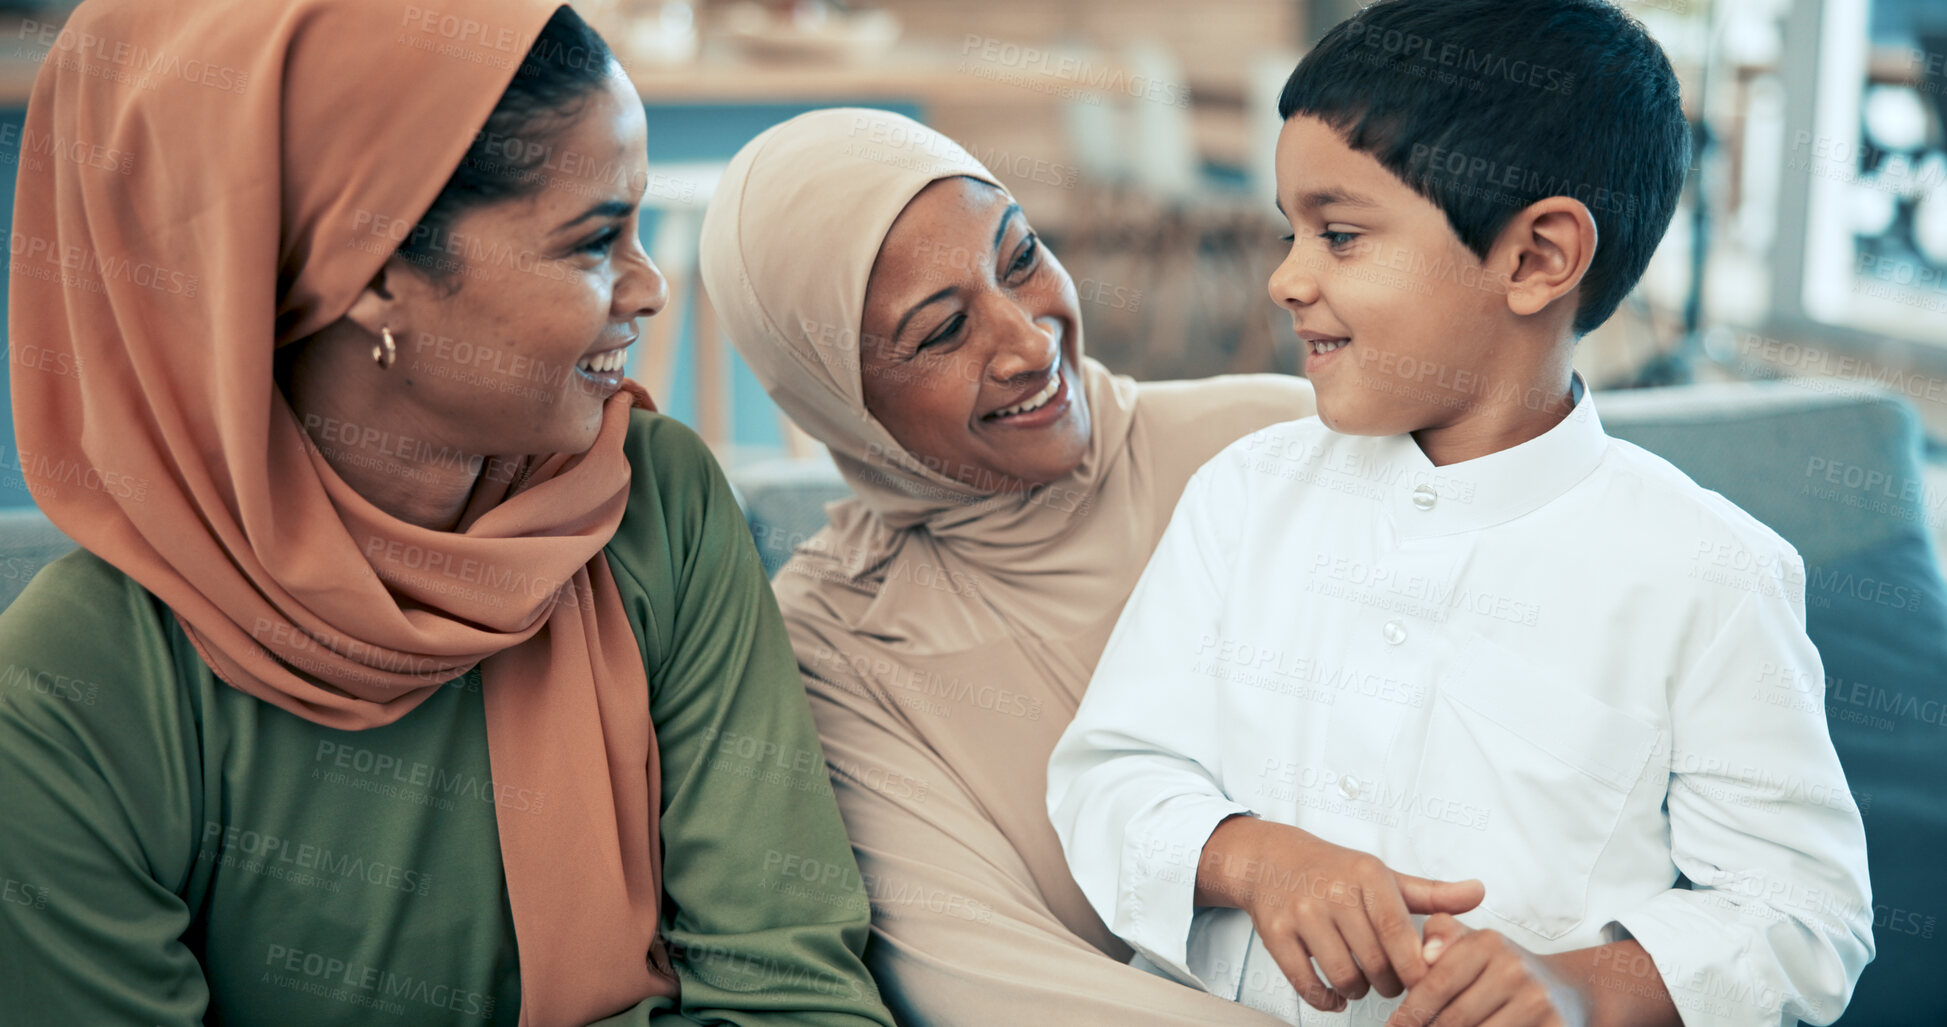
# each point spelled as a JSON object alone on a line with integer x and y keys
{"x": 1512, "y": 184}
{"x": 263, "y": 852}
{"x": 48, "y": 683}
{"x": 45, "y": 476}
{"x": 421, "y": 780}
{"x": 119, "y": 60}
{"x": 357, "y": 982}
{"x": 24, "y": 144}
{"x": 1036, "y": 67}
{"x": 1411, "y": 46}
{"x": 459, "y": 29}
{"x": 87, "y": 269}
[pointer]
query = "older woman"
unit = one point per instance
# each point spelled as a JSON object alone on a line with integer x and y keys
{"x": 410, "y": 670}
{"x": 896, "y": 303}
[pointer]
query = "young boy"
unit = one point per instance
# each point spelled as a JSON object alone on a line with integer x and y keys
{"x": 1447, "y": 648}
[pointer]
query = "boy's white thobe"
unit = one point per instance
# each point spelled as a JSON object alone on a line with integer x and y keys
{"x": 1564, "y": 669}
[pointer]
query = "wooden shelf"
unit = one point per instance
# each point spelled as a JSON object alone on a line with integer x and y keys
{"x": 919, "y": 72}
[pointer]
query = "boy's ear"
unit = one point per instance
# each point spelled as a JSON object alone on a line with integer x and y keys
{"x": 1546, "y": 249}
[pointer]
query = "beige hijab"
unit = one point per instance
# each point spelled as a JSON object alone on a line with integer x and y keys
{"x": 259, "y": 138}
{"x": 796, "y": 322}
{"x": 946, "y": 635}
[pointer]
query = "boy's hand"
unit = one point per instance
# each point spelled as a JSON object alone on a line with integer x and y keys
{"x": 1312, "y": 900}
{"x": 1477, "y": 977}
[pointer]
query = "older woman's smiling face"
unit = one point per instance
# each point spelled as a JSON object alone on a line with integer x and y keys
{"x": 971, "y": 342}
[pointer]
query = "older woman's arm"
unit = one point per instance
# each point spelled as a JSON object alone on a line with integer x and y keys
{"x": 765, "y": 915}
{"x": 962, "y": 933}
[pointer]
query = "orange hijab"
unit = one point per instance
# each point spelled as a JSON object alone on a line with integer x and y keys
{"x": 209, "y": 196}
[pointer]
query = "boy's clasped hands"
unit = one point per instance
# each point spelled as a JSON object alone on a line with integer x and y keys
{"x": 1346, "y": 910}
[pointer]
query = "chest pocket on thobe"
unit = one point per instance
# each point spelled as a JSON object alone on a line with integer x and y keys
{"x": 1546, "y": 770}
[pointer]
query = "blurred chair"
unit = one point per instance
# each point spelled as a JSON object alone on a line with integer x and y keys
{"x": 679, "y": 194}
{"x": 1264, "y": 84}
{"x": 1876, "y": 609}
{"x": 1143, "y": 142}
{"x": 1161, "y": 134}
{"x": 1172, "y": 261}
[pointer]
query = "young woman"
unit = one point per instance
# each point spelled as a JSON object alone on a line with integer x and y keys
{"x": 411, "y": 671}
{"x": 896, "y": 303}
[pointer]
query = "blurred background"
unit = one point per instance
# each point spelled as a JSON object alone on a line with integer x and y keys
{"x": 1811, "y": 244}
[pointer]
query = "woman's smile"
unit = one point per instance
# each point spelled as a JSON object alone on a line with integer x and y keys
{"x": 600, "y": 373}
{"x": 1048, "y": 403}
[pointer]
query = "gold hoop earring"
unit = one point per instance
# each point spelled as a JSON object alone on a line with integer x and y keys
{"x": 386, "y": 351}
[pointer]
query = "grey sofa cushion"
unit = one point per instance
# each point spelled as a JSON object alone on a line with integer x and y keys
{"x": 784, "y": 501}
{"x": 28, "y": 542}
{"x": 1770, "y": 447}
{"x": 1838, "y": 475}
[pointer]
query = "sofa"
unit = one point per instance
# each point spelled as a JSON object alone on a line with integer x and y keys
{"x": 1836, "y": 472}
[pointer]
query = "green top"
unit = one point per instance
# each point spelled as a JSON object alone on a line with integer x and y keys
{"x": 173, "y": 850}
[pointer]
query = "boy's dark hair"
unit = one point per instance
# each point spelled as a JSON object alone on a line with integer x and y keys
{"x": 568, "y": 63}
{"x": 1485, "y": 106}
